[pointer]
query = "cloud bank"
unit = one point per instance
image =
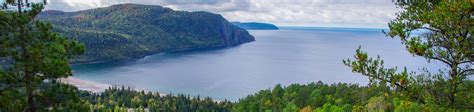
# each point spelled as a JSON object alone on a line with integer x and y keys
{"x": 336, "y": 13}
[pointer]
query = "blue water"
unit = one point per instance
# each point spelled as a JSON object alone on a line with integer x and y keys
{"x": 290, "y": 55}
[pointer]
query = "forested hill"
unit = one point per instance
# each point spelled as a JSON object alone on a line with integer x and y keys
{"x": 130, "y": 31}
{"x": 256, "y": 26}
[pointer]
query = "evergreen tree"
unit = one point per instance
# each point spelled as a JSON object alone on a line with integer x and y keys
{"x": 438, "y": 30}
{"x": 34, "y": 58}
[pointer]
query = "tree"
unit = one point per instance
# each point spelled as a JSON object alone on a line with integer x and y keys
{"x": 438, "y": 30}
{"x": 378, "y": 104}
{"x": 327, "y": 107}
{"x": 277, "y": 94}
{"x": 307, "y": 109}
{"x": 290, "y": 107}
{"x": 34, "y": 58}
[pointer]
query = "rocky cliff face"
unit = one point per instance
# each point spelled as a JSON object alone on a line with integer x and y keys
{"x": 233, "y": 34}
{"x": 130, "y": 31}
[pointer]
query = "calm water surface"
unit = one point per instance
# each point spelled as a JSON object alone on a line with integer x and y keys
{"x": 290, "y": 55}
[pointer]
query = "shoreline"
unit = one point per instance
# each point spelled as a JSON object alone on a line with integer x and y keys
{"x": 94, "y": 87}
{"x": 160, "y": 52}
{"x": 86, "y": 85}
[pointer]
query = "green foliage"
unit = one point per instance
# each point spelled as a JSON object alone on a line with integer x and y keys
{"x": 378, "y": 104}
{"x": 118, "y": 99}
{"x": 290, "y": 107}
{"x": 404, "y": 106}
{"x": 34, "y": 58}
{"x": 318, "y": 96}
{"x": 131, "y": 31}
{"x": 307, "y": 109}
{"x": 442, "y": 32}
{"x": 330, "y": 108}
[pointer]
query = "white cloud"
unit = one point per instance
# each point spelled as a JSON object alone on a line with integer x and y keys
{"x": 340, "y": 13}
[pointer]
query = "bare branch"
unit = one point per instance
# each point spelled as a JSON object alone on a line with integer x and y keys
{"x": 468, "y": 61}
{"x": 440, "y": 59}
{"x": 431, "y": 29}
{"x": 466, "y": 72}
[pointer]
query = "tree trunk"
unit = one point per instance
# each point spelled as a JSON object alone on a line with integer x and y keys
{"x": 29, "y": 90}
{"x": 454, "y": 84}
{"x": 31, "y": 107}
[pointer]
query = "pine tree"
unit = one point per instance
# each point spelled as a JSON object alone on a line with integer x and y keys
{"x": 438, "y": 30}
{"x": 34, "y": 58}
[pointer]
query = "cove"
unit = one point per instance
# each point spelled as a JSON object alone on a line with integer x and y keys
{"x": 286, "y": 56}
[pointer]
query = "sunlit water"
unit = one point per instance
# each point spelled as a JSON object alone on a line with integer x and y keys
{"x": 290, "y": 55}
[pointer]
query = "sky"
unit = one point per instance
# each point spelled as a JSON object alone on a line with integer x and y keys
{"x": 318, "y": 13}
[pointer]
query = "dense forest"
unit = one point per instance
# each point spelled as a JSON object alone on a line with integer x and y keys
{"x": 121, "y": 99}
{"x": 132, "y": 31}
{"x": 339, "y": 97}
{"x": 317, "y": 96}
{"x": 37, "y": 56}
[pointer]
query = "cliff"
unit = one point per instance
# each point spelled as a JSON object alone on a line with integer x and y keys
{"x": 131, "y": 31}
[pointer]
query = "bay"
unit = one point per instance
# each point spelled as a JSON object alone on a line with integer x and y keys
{"x": 290, "y": 55}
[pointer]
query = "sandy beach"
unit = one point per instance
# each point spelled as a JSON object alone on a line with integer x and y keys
{"x": 86, "y": 85}
{"x": 92, "y": 86}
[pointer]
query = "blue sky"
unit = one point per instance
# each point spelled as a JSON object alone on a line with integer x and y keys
{"x": 323, "y": 13}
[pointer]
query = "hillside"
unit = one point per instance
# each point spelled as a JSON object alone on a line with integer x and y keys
{"x": 256, "y": 26}
{"x": 131, "y": 31}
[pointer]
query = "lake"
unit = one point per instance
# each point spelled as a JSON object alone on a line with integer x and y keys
{"x": 290, "y": 55}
